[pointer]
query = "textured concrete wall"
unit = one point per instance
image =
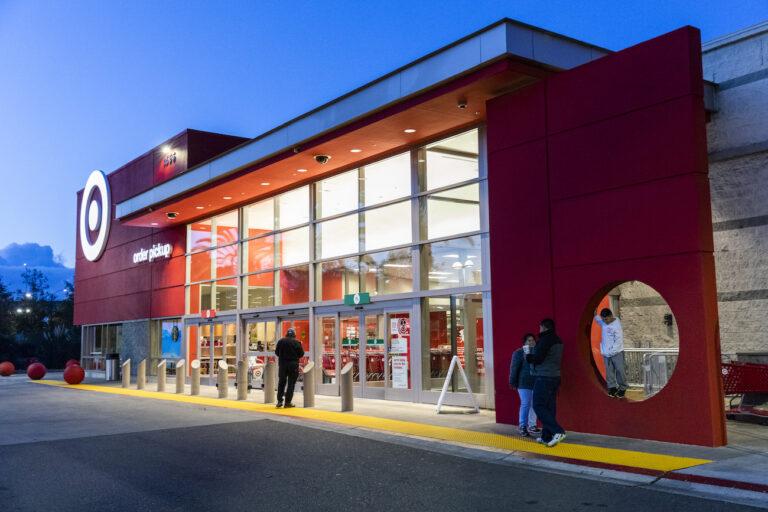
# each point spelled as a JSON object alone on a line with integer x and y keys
{"x": 642, "y": 311}
{"x": 135, "y": 343}
{"x": 738, "y": 154}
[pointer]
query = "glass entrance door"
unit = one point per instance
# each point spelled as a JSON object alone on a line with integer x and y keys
{"x": 211, "y": 343}
{"x": 261, "y": 338}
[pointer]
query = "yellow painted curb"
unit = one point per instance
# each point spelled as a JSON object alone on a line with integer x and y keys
{"x": 595, "y": 454}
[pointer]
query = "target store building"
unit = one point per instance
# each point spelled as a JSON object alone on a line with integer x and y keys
{"x": 441, "y": 210}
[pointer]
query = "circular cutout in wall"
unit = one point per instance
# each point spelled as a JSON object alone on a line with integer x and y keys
{"x": 634, "y": 341}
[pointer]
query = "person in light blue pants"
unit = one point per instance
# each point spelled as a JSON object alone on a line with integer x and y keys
{"x": 520, "y": 378}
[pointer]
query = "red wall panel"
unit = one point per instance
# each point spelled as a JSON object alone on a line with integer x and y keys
{"x": 613, "y": 189}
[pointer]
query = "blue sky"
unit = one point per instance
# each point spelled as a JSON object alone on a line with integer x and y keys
{"x": 91, "y": 84}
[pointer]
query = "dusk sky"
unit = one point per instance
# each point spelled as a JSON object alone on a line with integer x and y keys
{"x": 90, "y": 85}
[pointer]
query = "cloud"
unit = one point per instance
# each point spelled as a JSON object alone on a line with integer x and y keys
{"x": 30, "y": 254}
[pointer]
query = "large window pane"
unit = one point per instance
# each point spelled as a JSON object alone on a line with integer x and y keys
{"x": 470, "y": 341}
{"x": 259, "y": 290}
{"x": 337, "y": 278}
{"x": 199, "y": 236}
{"x": 294, "y": 285}
{"x": 259, "y": 254}
{"x": 453, "y": 211}
{"x": 450, "y": 161}
{"x": 338, "y": 194}
{"x": 452, "y": 263}
{"x": 388, "y": 226}
{"x": 437, "y": 342}
{"x": 293, "y": 208}
{"x": 387, "y": 272}
{"x": 199, "y": 266}
{"x": 226, "y": 228}
{"x": 259, "y": 218}
{"x": 294, "y": 246}
{"x": 199, "y": 298}
{"x": 226, "y": 261}
{"x": 338, "y": 237}
{"x": 226, "y": 294}
{"x": 387, "y": 180}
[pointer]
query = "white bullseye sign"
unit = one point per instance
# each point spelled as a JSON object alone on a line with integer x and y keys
{"x": 95, "y": 216}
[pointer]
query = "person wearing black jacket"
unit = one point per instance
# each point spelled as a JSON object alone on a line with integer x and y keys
{"x": 545, "y": 359}
{"x": 520, "y": 378}
{"x": 288, "y": 352}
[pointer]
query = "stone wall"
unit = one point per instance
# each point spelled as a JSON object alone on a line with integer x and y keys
{"x": 738, "y": 156}
{"x": 135, "y": 343}
{"x": 642, "y": 311}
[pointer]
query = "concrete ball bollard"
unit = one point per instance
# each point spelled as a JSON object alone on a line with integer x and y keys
{"x": 36, "y": 371}
{"x": 74, "y": 374}
{"x": 70, "y": 362}
{"x": 7, "y": 369}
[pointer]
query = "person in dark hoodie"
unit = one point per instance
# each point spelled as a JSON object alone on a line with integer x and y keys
{"x": 520, "y": 378}
{"x": 545, "y": 359}
{"x": 288, "y": 352}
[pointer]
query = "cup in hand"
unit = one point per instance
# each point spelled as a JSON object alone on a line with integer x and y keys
{"x": 526, "y": 349}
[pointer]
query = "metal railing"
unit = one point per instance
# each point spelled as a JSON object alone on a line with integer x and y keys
{"x": 649, "y": 368}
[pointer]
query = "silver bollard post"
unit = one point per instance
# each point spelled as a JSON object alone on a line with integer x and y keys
{"x": 309, "y": 384}
{"x": 223, "y": 379}
{"x": 195, "y": 364}
{"x": 269, "y": 382}
{"x": 126, "y": 372}
{"x": 161, "y": 376}
{"x": 141, "y": 374}
{"x": 242, "y": 379}
{"x": 181, "y": 376}
{"x": 346, "y": 388}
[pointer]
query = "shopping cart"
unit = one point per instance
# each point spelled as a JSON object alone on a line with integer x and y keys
{"x": 746, "y": 387}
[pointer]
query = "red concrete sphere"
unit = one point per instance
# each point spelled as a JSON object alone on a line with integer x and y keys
{"x": 36, "y": 371}
{"x": 71, "y": 362}
{"x": 6, "y": 369}
{"x": 74, "y": 374}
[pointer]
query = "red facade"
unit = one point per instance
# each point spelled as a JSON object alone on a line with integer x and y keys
{"x": 598, "y": 175}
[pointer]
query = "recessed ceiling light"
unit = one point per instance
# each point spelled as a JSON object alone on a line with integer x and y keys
{"x": 409, "y": 130}
{"x": 227, "y": 198}
{"x": 301, "y": 170}
{"x": 154, "y": 223}
{"x": 264, "y": 183}
{"x": 199, "y": 207}
{"x": 355, "y": 150}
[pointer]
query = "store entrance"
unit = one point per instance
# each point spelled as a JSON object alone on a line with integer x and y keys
{"x": 211, "y": 342}
{"x": 378, "y": 345}
{"x": 261, "y": 336}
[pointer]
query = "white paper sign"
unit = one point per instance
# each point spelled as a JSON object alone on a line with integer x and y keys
{"x": 399, "y": 372}
{"x": 399, "y": 346}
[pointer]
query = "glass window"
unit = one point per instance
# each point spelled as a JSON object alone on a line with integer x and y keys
{"x": 259, "y": 290}
{"x": 387, "y": 272}
{"x": 337, "y": 278}
{"x": 259, "y": 218}
{"x": 450, "y": 161}
{"x": 226, "y": 228}
{"x": 293, "y": 208}
{"x": 226, "y": 294}
{"x": 294, "y": 246}
{"x": 226, "y": 261}
{"x": 452, "y": 263}
{"x": 338, "y": 237}
{"x": 199, "y": 298}
{"x": 199, "y": 236}
{"x": 453, "y": 211}
{"x": 259, "y": 254}
{"x": 388, "y": 226}
{"x": 199, "y": 266}
{"x": 294, "y": 285}
{"x": 338, "y": 194}
{"x": 387, "y": 180}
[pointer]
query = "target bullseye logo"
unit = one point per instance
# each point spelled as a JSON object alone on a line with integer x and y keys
{"x": 95, "y": 216}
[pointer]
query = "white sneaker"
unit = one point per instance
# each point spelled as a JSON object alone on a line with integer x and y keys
{"x": 556, "y": 439}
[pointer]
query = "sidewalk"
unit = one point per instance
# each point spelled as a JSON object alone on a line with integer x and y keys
{"x": 742, "y": 465}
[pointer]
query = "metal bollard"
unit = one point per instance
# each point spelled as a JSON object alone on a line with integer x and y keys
{"x": 161, "y": 376}
{"x": 346, "y": 388}
{"x": 269, "y": 383}
{"x": 195, "y": 364}
{"x": 141, "y": 374}
{"x": 126, "y": 371}
{"x": 242, "y": 379}
{"x": 309, "y": 384}
{"x": 223, "y": 379}
{"x": 181, "y": 376}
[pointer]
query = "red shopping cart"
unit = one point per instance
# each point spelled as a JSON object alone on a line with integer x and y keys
{"x": 747, "y": 386}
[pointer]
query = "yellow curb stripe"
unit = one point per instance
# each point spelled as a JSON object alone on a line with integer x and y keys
{"x": 611, "y": 456}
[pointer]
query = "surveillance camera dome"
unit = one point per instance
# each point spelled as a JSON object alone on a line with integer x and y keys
{"x": 172, "y": 215}
{"x": 322, "y": 159}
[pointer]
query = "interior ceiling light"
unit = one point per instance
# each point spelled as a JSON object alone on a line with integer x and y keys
{"x": 355, "y": 150}
{"x": 409, "y": 130}
{"x": 301, "y": 170}
{"x": 227, "y": 198}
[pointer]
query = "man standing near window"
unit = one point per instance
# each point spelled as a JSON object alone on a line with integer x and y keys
{"x": 545, "y": 359}
{"x": 288, "y": 352}
{"x": 612, "y": 350}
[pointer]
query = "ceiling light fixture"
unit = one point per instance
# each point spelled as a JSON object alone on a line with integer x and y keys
{"x": 409, "y": 130}
{"x": 199, "y": 207}
{"x": 264, "y": 183}
{"x": 227, "y": 198}
{"x": 355, "y": 150}
{"x": 301, "y": 170}
{"x": 154, "y": 223}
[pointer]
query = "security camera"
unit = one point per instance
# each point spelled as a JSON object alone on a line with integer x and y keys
{"x": 462, "y": 103}
{"x": 171, "y": 215}
{"x": 322, "y": 159}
